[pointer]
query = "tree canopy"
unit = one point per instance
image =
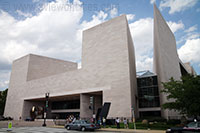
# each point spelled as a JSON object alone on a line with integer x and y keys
{"x": 184, "y": 95}
{"x": 3, "y": 95}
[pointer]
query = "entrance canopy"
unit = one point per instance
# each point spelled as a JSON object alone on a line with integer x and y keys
{"x": 62, "y": 106}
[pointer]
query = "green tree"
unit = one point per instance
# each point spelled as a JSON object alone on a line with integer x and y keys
{"x": 3, "y": 95}
{"x": 184, "y": 95}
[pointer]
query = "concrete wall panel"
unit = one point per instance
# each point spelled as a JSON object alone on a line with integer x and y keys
{"x": 166, "y": 60}
{"x": 40, "y": 67}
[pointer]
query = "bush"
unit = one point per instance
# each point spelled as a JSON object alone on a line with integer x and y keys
{"x": 155, "y": 125}
{"x": 152, "y": 119}
{"x": 173, "y": 122}
{"x": 159, "y": 119}
{"x": 144, "y": 121}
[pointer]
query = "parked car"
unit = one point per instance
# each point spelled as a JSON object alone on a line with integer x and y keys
{"x": 29, "y": 119}
{"x": 2, "y": 118}
{"x": 81, "y": 125}
{"x": 189, "y": 128}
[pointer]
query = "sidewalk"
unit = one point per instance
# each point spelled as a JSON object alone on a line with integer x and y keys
{"x": 131, "y": 130}
{"x": 19, "y": 123}
{"x": 124, "y": 130}
{"x": 4, "y": 124}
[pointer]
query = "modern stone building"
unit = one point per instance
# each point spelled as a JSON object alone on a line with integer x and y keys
{"x": 108, "y": 74}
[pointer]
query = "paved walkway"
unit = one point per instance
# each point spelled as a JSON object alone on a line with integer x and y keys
{"x": 36, "y": 127}
{"x": 114, "y": 130}
{"x": 34, "y": 130}
{"x": 18, "y": 123}
{"x": 42, "y": 130}
{"x": 132, "y": 130}
{"x": 63, "y": 130}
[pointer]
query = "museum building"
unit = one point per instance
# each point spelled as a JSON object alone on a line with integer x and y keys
{"x": 107, "y": 84}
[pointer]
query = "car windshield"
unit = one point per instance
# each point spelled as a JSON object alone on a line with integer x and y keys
{"x": 192, "y": 124}
{"x": 83, "y": 122}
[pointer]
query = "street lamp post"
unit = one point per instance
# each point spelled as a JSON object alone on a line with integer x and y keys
{"x": 133, "y": 115}
{"x": 45, "y": 108}
{"x": 92, "y": 102}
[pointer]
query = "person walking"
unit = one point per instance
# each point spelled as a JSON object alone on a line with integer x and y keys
{"x": 125, "y": 123}
{"x": 117, "y": 122}
{"x": 99, "y": 121}
{"x": 104, "y": 122}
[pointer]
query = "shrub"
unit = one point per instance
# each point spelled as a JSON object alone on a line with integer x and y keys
{"x": 153, "y": 119}
{"x": 173, "y": 122}
{"x": 144, "y": 121}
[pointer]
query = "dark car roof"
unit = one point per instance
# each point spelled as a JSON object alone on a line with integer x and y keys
{"x": 80, "y": 121}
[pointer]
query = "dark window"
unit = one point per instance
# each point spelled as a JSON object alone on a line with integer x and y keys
{"x": 149, "y": 101}
{"x": 75, "y": 104}
{"x": 148, "y": 92}
{"x": 66, "y": 115}
{"x": 150, "y": 114}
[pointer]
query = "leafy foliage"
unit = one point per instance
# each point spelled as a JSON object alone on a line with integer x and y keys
{"x": 184, "y": 95}
{"x": 3, "y": 95}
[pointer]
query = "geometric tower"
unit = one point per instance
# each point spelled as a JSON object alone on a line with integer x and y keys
{"x": 166, "y": 63}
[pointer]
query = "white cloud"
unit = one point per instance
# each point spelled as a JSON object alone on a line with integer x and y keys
{"x": 175, "y": 26}
{"x": 130, "y": 17}
{"x": 113, "y": 12}
{"x": 39, "y": 34}
{"x": 24, "y": 14}
{"x": 193, "y": 36}
{"x": 34, "y": 1}
{"x": 188, "y": 36}
{"x": 4, "y": 79}
{"x": 191, "y": 33}
{"x": 189, "y": 52}
{"x": 177, "y": 5}
{"x": 152, "y": 1}
{"x": 142, "y": 35}
{"x": 96, "y": 19}
{"x": 191, "y": 29}
{"x": 144, "y": 63}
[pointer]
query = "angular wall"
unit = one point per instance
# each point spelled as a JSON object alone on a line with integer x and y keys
{"x": 132, "y": 70}
{"x": 40, "y": 67}
{"x": 107, "y": 57}
{"x": 18, "y": 78}
{"x": 166, "y": 61}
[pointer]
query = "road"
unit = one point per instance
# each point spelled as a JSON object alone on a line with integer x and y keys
{"x": 41, "y": 130}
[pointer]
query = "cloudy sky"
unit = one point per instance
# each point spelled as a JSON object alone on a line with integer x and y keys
{"x": 54, "y": 28}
